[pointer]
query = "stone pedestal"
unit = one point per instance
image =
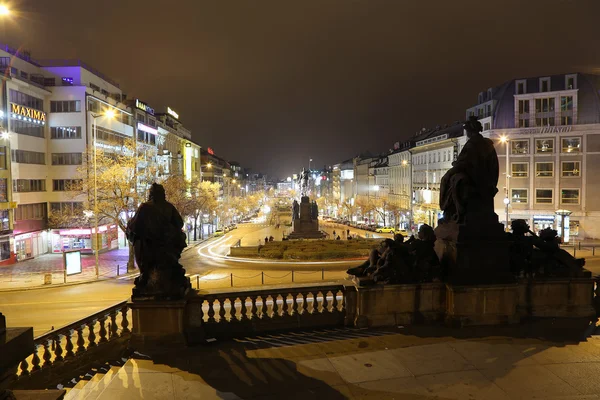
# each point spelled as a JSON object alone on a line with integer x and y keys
{"x": 305, "y": 227}
{"x": 557, "y": 298}
{"x": 388, "y": 305}
{"x": 477, "y": 252}
{"x": 15, "y": 345}
{"x": 157, "y": 323}
{"x": 482, "y": 304}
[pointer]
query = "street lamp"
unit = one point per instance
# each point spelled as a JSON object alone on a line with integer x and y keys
{"x": 209, "y": 165}
{"x": 504, "y": 139}
{"x": 4, "y": 10}
{"x": 110, "y": 114}
{"x": 309, "y": 161}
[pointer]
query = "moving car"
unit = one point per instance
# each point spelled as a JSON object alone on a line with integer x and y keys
{"x": 219, "y": 232}
{"x": 386, "y": 229}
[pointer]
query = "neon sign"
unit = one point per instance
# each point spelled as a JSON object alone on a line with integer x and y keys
{"x": 27, "y": 113}
{"x": 210, "y": 151}
{"x": 147, "y": 128}
{"x": 144, "y": 107}
{"x": 172, "y": 113}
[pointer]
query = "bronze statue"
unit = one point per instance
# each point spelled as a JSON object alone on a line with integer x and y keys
{"x": 303, "y": 182}
{"x": 314, "y": 210}
{"x": 158, "y": 240}
{"x": 295, "y": 210}
{"x": 470, "y": 185}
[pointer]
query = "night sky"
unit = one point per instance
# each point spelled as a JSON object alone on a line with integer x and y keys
{"x": 272, "y": 83}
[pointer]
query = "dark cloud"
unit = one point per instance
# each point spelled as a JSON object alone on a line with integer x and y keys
{"x": 272, "y": 83}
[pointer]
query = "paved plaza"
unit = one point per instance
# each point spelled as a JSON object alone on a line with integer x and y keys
{"x": 403, "y": 363}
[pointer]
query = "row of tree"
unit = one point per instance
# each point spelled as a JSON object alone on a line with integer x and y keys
{"x": 119, "y": 178}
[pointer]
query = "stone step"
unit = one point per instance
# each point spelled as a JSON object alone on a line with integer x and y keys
{"x": 95, "y": 391}
{"x": 91, "y": 384}
{"x": 73, "y": 392}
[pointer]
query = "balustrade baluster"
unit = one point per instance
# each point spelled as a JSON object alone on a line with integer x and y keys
{"x": 325, "y": 302}
{"x": 102, "y": 331}
{"x": 315, "y": 304}
{"x": 58, "y": 350}
{"x": 124, "y": 321}
{"x": 69, "y": 344}
{"x": 284, "y": 306}
{"x": 294, "y": 303}
{"x": 304, "y": 303}
{"x": 47, "y": 356}
{"x": 334, "y": 303}
{"x": 114, "y": 329}
{"x": 275, "y": 307}
{"x": 243, "y": 310}
{"x": 222, "y": 311}
{"x": 80, "y": 340}
{"x": 211, "y": 310}
{"x": 91, "y": 334}
{"x": 35, "y": 361}
{"x": 253, "y": 309}
{"x": 232, "y": 310}
{"x": 24, "y": 367}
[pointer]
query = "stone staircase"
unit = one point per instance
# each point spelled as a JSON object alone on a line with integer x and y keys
{"x": 94, "y": 383}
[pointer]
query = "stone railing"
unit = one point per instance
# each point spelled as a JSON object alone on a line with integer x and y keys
{"x": 70, "y": 346}
{"x": 221, "y": 314}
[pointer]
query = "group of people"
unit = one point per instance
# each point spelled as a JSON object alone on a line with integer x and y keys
{"x": 532, "y": 254}
{"x": 397, "y": 261}
{"x": 345, "y": 233}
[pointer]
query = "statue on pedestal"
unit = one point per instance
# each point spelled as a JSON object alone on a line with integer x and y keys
{"x": 469, "y": 186}
{"x": 295, "y": 210}
{"x": 158, "y": 240}
{"x": 303, "y": 182}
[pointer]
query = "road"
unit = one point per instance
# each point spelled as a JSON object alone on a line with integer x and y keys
{"x": 57, "y": 306}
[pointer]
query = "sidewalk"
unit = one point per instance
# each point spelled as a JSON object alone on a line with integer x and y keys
{"x": 30, "y": 273}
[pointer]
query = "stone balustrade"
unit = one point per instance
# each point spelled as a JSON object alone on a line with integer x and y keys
{"x": 75, "y": 341}
{"x": 222, "y": 314}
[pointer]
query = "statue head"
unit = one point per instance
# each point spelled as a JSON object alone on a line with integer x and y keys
{"x": 399, "y": 238}
{"x": 157, "y": 193}
{"x": 426, "y": 233}
{"x": 519, "y": 227}
{"x": 548, "y": 235}
{"x": 472, "y": 126}
{"x": 387, "y": 243}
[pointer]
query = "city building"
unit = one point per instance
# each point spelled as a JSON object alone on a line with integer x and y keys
{"x": 400, "y": 182}
{"x": 547, "y": 133}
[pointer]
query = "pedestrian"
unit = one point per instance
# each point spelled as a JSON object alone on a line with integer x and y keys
{"x": 334, "y": 233}
{"x": 348, "y": 232}
{"x": 338, "y": 237}
{"x": 271, "y": 238}
{"x": 266, "y": 239}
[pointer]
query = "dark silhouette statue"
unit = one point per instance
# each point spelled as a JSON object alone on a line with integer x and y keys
{"x": 314, "y": 210}
{"x": 295, "y": 211}
{"x": 158, "y": 240}
{"x": 470, "y": 185}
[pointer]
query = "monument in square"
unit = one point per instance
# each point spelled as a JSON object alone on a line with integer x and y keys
{"x": 305, "y": 215}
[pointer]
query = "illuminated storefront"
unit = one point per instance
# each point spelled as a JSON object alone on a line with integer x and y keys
{"x": 81, "y": 239}
{"x": 30, "y": 245}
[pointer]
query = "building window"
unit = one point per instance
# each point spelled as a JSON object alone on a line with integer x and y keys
{"x": 569, "y": 196}
{"x": 486, "y": 126}
{"x": 543, "y": 196}
{"x": 71, "y": 207}
{"x": 65, "y": 106}
{"x": 5, "y": 242}
{"x": 544, "y": 169}
{"x": 520, "y": 170}
{"x": 566, "y": 103}
{"x": 544, "y": 84}
{"x": 27, "y": 128}
{"x": 66, "y": 158}
{"x": 26, "y": 100}
{"x": 519, "y": 146}
{"x": 571, "y": 145}
{"x": 544, "y": 105}
{"x": 570, "y": 82}
{"x": 521, "y": 87}
{"x": 31, "y": 211}
{"x": 65, "y": 132}
{"x": 518, "y": 195}
{"x": 571, "y": 169}
{"x": 523, "y": 106}
{"x": 566, "y": 120}
{"x": 28, "y": 157}
{"x": 141, "y": 118}
{"x": 2, "y": 157}
{"x": 62, "y": 185}
{"x": 544, "y": 146}
{"x": 3, "y": 190}
{"x": 29, "y": 185}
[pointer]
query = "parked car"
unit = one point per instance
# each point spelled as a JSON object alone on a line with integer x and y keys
{"x": 386, "y": 229}
{"x": 232, "y": 227}
{"x": 219, "y": 232}
{"x": 372, "y": 227}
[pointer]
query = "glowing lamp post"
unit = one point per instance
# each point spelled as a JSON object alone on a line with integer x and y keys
{"x": 504, "y": 139}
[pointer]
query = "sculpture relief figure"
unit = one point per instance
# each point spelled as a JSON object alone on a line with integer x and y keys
{"x": 158, "y": 240}
{"x": 470, "y": 185}
{"x": 295, "y": 211}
